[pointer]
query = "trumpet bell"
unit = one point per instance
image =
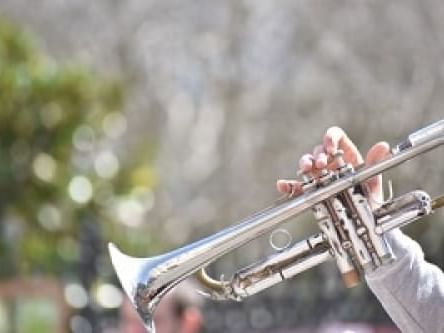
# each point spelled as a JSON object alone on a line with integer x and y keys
{"x": 132, "y": 272}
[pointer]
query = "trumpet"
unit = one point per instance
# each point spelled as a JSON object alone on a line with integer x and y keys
{"x": 352, "y": 233}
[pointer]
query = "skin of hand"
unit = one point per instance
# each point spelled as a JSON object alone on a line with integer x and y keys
{"x": 335, "y": 138}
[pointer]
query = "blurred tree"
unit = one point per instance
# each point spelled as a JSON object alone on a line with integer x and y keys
{"x": 57, "y": 166}
{"x": 48, "y": 115}
{"x": 59, "y": 176}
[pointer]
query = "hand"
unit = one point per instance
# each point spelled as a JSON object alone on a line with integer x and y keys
{"x": 334, "y": 139}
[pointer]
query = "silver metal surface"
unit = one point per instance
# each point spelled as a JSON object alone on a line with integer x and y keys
{"x": 147, "y": 280}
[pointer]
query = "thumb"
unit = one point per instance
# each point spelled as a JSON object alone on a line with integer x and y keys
{"x": 377, "y": 153}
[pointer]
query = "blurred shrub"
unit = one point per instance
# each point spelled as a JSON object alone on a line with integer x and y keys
{"x": 58, "y": 126}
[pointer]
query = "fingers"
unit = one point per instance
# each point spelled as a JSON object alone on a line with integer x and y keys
{"x": 332, "y": 138}
{"x": 320, "y": 157}
{"x": 377, "y": 153}
{"x": 306, "y": 163}
{"x": 291, "y": 187}
{"x": 335, "y": 138}
{"x": 311, "y": 162}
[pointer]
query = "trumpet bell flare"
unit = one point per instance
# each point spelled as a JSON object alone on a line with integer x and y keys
{"x": 129, "y": 271}
{"x": 126, "y": 272}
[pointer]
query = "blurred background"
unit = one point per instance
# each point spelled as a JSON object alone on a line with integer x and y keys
{"x": 154, "y": 123}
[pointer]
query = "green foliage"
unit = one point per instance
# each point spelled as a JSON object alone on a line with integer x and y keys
{"x": 57, "y": 124}
{"x": 36, "y": 315}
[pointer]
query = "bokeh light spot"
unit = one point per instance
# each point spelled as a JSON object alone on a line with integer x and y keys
{"x": 76, "y": 296}
{"x": 114, "y": 125}
{"x": 49, "y": 217}
{"x": 80, "y": 189}
{"x": 109, "y": 296}
{"x": 84, "y": 138}
{"x": 106, "y": 165}
{"x": 44, "y": 167}
{"x": 130, "y": 212}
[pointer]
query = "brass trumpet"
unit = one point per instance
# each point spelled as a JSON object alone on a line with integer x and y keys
{"x": 351, "y": 232}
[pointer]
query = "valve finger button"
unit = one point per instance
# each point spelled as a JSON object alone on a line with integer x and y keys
{"x": 308, "y": 181}
{"x": 339, "y": 158}
{"x": 325, "y": 177}
{"x": 306, "y": 177}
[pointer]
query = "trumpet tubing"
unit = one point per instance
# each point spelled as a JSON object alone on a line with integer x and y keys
{"x": 352, "y": 234}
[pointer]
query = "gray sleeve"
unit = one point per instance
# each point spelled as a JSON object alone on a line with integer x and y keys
{"x": 410, "y": 289}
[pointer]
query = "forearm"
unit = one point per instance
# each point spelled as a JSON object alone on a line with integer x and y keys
{"x": 410, "y": 289}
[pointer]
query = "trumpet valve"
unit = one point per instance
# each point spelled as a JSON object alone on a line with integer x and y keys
{"x": 326, "y": 177}
{"x": 308, "y": 182}
{"x": 342, "y": 167}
